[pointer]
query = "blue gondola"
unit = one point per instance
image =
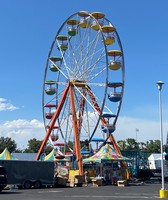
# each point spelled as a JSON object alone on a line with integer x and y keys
{"x": 115, "y": 97}
{"x": 85, "y": 152}
{"x": 114, "y": 84}
{"x": 108, "y": 115}
{"x": 108, "y": 128}
{"x": 97, "y": 140}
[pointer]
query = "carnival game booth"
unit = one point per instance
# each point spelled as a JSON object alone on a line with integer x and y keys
{"x": 106, "y": 165}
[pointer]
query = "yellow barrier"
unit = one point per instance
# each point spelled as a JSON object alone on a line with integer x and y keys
{"x": 163, "y": 193}
{"x": 72, "y": 173}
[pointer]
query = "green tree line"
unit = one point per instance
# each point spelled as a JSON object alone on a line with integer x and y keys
{"x": 151, "y": 146}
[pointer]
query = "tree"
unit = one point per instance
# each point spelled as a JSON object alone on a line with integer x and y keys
{"x": 153, "y": 146}
{"x": 8, "y": 143}
{"x": 131, "y": 144}
{"x": 68, "y": 147}
{"x": 122, "y": 144}
{"x": 34, "y": 146}
{"x": 142, "y": 145}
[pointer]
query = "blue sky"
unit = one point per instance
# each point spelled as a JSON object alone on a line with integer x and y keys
{"x": 27, "y": 31}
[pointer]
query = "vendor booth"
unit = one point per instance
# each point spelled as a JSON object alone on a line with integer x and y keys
{"x": 106, "y": 164}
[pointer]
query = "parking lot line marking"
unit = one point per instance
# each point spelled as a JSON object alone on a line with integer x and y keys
{"x": 112, "y": 196}
{"x": 48, "y": 191}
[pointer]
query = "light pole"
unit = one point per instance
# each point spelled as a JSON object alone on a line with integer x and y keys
{"x": 137, "y": 130}
{"x": 160, "y": 84}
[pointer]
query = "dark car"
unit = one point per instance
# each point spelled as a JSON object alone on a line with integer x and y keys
{"x": 3, "y": 178}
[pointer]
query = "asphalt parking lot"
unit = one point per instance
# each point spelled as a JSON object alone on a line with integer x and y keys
{"x": 144, "y": 191}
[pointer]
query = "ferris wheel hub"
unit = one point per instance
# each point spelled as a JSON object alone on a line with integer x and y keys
{"x": 78, "y": 83}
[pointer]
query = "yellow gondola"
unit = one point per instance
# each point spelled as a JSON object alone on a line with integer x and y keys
{"x": 114, "y": 53}
{"x": 83, "y": 14}
{"x": 97, "y": 15}
{"x": 114, "y": 65}
{"x": 108, "y": 29}
{"x": 109, "y": 38}
{"x": 84, "y": 22}
{"x": 95, "y": 25}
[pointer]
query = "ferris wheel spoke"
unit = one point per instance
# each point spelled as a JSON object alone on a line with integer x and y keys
{"x": 76, "y": 68}
{"x": 68, "y": 69}
{"x": 94, "y": 49}
{"x": 81, "y": 52}
{"x": 81, "y": 66}
{"x": 86, "y": 99}
{"x": 91, "y": 69}
{"x": 96, "y": 74}
{"x": 91, "y": 43}
{"x": 88, "y": 49}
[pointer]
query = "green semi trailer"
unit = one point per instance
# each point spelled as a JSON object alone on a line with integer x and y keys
{"x": 28, "y": 174}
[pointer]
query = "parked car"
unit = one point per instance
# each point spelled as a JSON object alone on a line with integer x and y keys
{"x": 3, "y": 178}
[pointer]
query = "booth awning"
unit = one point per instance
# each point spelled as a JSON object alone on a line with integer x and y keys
{"x": 105, "y": 154}
{"x": 5, "y": 155}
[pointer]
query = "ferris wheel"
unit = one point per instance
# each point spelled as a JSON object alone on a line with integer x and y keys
{"x": 83, "y": 82}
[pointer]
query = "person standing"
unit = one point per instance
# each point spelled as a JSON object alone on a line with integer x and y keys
{"x": 106, "y": 178}
{"x": 86, "y": 174}
{"x": 114, "y": 177}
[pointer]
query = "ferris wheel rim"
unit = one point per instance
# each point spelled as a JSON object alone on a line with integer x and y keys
{"x": 92, "y": 83}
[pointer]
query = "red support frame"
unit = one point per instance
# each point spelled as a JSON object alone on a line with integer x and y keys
{"x": 76, "y": 131}
{"x": 76, "y": 122}
{"x": 52, "y": 123}
{"x": 76, "y": 127}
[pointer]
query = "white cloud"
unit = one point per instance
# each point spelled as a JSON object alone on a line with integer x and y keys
{"x": 22, "y": 130}
{"x": 148, "y": 129}
{"x": 6, "y": 105}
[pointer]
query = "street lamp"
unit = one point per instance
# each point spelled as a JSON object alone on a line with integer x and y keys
{"x": 136, "y": 130}
{"x": 163, "y": 193}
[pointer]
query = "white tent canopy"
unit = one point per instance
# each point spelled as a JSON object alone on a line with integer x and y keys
{"x": 154, "y": 161}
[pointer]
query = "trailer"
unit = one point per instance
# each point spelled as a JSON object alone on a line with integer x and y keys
{"x": 27, "y": 174}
